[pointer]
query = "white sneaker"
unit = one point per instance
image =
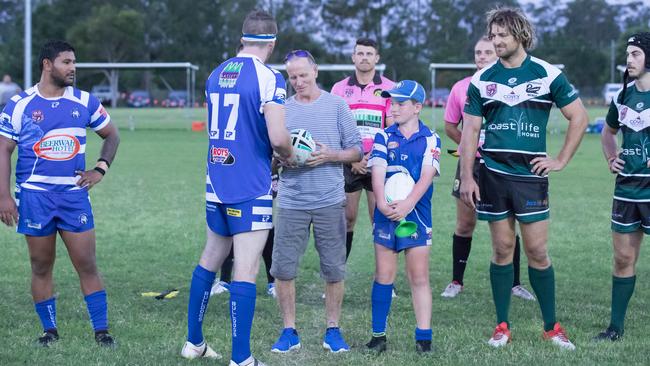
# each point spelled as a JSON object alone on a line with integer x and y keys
{"x": 558, "y": 336}
{"x": 521, "y": 292}
{"x": 251, "y": 361}
{"x": 501, "y": 336}
{"x": 394, "y": 294}
{"x": 323, "y": 296}
{"x": 190, "y": 351}
{"x": 452, "y": 290}
{"x": 219, "y": 287}
{"x": 270, "y": 290}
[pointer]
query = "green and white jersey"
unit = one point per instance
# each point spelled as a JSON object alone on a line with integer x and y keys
{"x": 516, "y": 103}
{"x": 632, "y": 117}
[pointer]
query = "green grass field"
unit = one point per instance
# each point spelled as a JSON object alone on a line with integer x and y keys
{"x": 150, "y": 224}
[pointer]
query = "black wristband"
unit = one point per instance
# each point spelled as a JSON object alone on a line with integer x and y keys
{"x": 105, "y": 161}
{"x": 100, "y": 170}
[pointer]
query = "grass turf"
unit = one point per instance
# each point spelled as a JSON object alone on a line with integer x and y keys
{"x": 150, "y": 226}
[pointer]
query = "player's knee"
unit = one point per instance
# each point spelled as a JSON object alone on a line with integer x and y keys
{"x": 385, "y": 276}
{"x": 537, "y": 256}
{"x": 503, "y": 250}
{"x": 42, "y": 266}
{"x": 465, "y": 227}
{"x": 87, "y": 268}
{"x": 623, "y": 262}
{"x": 418, "y": 278}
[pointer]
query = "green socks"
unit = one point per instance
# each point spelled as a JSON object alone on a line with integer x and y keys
{"x": 622, "y": 289}
{"x": 501, "y": 278}
{"x": 543, "y": 283}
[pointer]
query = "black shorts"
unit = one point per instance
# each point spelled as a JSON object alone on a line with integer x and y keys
{"x": 455, "y": 190}
{"x": 356, "y": 182}
{"x": 628, "y": 217}
{"x": 503, "y": 196}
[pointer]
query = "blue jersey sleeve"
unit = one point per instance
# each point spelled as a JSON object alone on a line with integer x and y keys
{"x": 431, "y": 155}
{"x": 9, "y": 126}
{"x": 379, "y": 154}
{"x": 274, "y": 90}
{"x": 99, "y": 118}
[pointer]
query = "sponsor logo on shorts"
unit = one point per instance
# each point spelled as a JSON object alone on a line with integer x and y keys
{"x": 456, "y": 185}
{"x": 83, "y": 219}
{"x": 210, "y": 207}
{"x": 57, "y": 147}
{"x": 415, "y": 236}
{"x": 383, "y": 235}
{"x": 233, "y": 212}
{"x": 221, "y": 155}
{"x": 33, "y": 225}
{"x": 536, "y": 203}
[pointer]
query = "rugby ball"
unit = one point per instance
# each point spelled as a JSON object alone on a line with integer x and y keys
{"x": 303, "y": 145}
{"x": 398, "y": 187}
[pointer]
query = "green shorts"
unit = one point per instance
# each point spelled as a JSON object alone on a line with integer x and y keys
{"x": 628, "y": 217}
{"x": 504, "y": 196}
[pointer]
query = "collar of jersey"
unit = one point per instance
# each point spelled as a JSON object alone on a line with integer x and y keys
{"x": 422, "y": 131}
{"x": 241, "y": 54}
{"x": 67, "y": 92}
{"x": 352, "y": 81}
{"x": 523, "y": 64}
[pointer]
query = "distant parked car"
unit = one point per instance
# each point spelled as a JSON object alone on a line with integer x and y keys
{"x": 101, "y": 92}
{"x": 139, "y": 99}
{"x": 176, "y": 99}
{"x": 610, "y": 90}
{"x": 439, "y": 97}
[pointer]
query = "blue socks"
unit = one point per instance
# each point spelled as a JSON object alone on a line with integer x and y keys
{"x": 200, "y": 286}
{"x": 46, "y": 311}
{"x": 97, "y": 310}
{"x": 382, "y": 296}
{"x": 242, "y": 310}
{"x": 423, "y": 334}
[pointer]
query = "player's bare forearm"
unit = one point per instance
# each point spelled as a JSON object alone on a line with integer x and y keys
{"x": 578, "y": 118}
{"x": 452, "y": 131}
{"x": 469, "y": 144}
{"x": 111, "y": 141}
{"x": 7, "y": 147}
{"x": 378, "y": 176}
{"x": 608, "y": 140}
{"x": 350, "y": 155}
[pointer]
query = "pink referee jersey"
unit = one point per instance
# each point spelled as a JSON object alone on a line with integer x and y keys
{"x": 456, "y": 103}
{"x": 367, "y": 105}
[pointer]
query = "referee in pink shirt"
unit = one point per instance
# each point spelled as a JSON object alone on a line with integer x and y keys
{"x": 362, "y": 91}
{"x": 484, "y": 55}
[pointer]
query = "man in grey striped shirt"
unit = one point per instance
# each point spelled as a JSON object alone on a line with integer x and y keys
{"x": 313, "y": 195}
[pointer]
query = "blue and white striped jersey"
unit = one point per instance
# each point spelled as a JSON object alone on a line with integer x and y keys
{"x": 51, "y": 136}
{"x": 399, "y": 154}
{"x": 239, "y": 149}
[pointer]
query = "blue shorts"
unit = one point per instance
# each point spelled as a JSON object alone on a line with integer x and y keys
{"x": 384, "y": 233}
{"x": 228, "y": 219}
{"x": 43, "y": 213}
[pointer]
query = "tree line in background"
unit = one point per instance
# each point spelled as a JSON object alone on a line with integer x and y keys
{"x": 579, "y": 34}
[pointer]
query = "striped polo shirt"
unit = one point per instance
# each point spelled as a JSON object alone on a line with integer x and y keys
{"x": 331, "y": 123}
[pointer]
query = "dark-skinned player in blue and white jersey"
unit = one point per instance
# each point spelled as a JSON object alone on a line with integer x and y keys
{"x": 48, "y": 124}
{"x": 246, "y": 124}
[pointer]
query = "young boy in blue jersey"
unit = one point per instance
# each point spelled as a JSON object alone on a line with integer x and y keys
{"x": 48, "y": 123}
{"x": 408, "y": 146}
{"x": 246, "y": 124}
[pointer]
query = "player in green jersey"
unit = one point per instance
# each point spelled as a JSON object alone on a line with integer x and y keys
{"x": 629, "y": 113}
{"x": 515, "y": 96}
